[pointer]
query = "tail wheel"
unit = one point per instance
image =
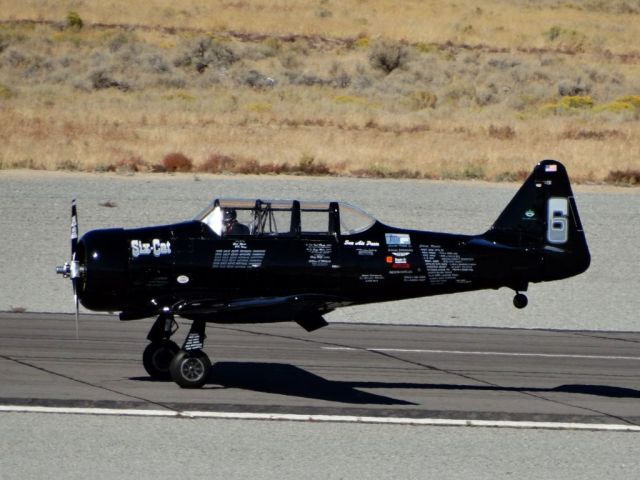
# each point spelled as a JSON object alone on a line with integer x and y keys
{"x": 520, "y": 300}
{"x": 157, "y": 358}
{"x": 190, "y": 369}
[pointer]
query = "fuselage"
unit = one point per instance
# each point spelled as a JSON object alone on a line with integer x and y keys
{"x": 128, "y": 270}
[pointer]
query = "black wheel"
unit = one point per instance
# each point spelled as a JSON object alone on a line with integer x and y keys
{"x": 520, "y": 300}
{"x": 190, "y": 369}
{"x": 157, "y": 357}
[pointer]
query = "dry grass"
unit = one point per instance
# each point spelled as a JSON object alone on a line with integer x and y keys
{"x": 112, "y": 136}
{"x": 499, "y": 23}
{"x": 432, "y": 90}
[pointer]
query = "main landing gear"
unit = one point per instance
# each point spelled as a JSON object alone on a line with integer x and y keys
{"x": 188, "y": 366}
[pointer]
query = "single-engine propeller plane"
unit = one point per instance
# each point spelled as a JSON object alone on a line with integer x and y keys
{"x": 253, "y": 261}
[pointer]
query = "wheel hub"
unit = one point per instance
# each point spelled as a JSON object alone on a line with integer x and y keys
{"x": 192, "y": 368}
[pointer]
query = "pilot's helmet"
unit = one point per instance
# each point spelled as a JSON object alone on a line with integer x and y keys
{"x": 229, "y": 215}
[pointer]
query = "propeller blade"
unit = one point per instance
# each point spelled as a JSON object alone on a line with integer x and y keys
{"x": 75, "y": 297}
{"x": 74, "y": 261}
{"x": 72, "y": 269}
{"x": 74, "y": 229}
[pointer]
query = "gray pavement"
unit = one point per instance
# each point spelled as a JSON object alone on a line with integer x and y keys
{"x": 344, "y": 369}
{"x": 36, "y": 446}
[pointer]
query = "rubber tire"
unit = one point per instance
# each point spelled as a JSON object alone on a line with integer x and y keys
{"x": 520, "y": 300}
{"x": 190, "y": 369}
{"x": 157, "y": 358}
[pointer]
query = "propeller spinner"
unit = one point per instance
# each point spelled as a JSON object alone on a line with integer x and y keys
{"x": 72, "y": 269}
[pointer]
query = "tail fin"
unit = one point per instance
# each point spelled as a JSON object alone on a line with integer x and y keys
{"x": 543, "y": 215}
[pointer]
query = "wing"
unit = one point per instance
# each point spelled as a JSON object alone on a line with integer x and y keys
{"x": 304, "y": 309}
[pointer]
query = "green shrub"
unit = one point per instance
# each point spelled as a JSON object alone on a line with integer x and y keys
{"x": 573, "y": 88}
{"x": 615, "y": 107}
{"x": 423, "y": 47}
{"x": 631, "y": 99}
{"x": 577, "y": 102}
{"x": 362, "y": 42}
{"x": 353, "y": 99}
{"x": 5, "y": 92}
{"x": 206, "y": 52}
{"x": 179, "y": 95}
{"x": 422, "y": 99}
{"x": 624, "y": 177}
{"x": 570, "y": 104}
{"x": 388, "y": 56}
{"x": 502, "y": 133}
{"x": 67, "y": 164}
{"x": 473, "y": 172}
{"x": 569, "y": 40}
{"x": 308, "y": 166}
{"x": 259, "y": 107}
{"x": 510, "y": 176}
{"x": 73, "y": 21}
{"x": 626, "y": 104}
{"x": 131, "y": 164}
{"x": 553, "y": 33}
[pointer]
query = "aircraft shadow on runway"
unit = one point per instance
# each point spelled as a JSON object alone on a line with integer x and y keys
{"x": 285, "y": 379}
{"x": 289, "y": 380}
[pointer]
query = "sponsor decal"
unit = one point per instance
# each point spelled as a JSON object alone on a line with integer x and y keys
{"x": 361, "y": 243}
{"x": 366, "y": 248}
{"x": 238, "y": 258}
{"x": 397, "y": 239}
{"x": 398, "y": 261}
{"x": 240, "y": 244}
{"x": 371, "y": 278}
{"x": 415, "y": 278}
{"x": 319, "y": 254}
{"x": 182, "y": 279}
{"x": 445, "y": 265}
{"x": 156, "y": 248}
{"x": 530, "y": 213}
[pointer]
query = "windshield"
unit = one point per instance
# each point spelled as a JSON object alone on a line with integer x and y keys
{"x": 353, "y": 220}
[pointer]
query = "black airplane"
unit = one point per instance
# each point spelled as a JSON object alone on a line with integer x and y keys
{"x": 254, "y": 261}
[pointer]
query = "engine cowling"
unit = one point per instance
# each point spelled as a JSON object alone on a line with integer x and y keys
{"x": 102, "y": 255}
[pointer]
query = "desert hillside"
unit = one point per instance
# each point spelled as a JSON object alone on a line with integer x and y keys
{"x": 426, "y": 89}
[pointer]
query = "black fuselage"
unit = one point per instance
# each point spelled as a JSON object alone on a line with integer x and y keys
{"x": 131, "y": 270}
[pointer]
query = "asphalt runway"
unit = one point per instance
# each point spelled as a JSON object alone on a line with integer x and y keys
{"x": 358, "y": 370}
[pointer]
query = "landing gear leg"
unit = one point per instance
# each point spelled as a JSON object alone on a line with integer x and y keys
{"x": 159, "y": 353}
{"x": 190, "y": 367}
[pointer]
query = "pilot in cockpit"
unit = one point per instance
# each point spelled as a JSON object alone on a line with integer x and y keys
{"x": 231, "y": 224}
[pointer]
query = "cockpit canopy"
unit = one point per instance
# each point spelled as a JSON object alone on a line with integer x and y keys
{"x": 283, "y": 217}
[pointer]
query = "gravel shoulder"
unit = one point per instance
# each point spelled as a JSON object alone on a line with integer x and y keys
{"x": 143, "y": 448}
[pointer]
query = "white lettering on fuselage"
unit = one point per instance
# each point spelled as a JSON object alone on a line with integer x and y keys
{"x": 155, "y": 248}
{"x": 361, "y": 243}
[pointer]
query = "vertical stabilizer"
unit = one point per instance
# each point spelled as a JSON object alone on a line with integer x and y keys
{"x": 543, "y": 215}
